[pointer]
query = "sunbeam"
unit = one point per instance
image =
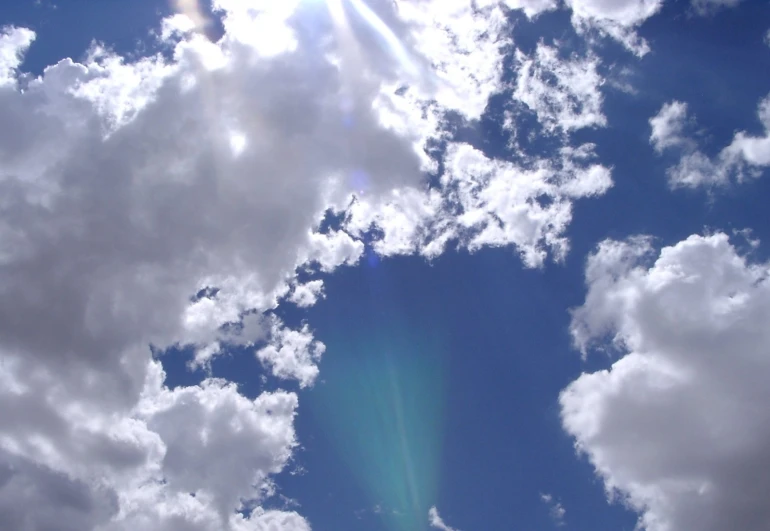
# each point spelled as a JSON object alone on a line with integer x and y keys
{"x": 391, "y": 41}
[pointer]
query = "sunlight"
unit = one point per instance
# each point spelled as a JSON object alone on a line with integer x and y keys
{"x": 394, "y": 46}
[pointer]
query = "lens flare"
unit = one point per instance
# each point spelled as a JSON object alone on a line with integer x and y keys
{"x": 392, "y": 43}
{"x": 192, "y": 10}
{"x": 381, "y": 406}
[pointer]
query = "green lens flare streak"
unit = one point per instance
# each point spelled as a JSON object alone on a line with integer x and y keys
{"x": 380, "y": 403}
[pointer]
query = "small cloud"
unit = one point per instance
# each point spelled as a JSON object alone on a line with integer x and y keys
{"x": 437, "y": 522}
{"x": 748, "y": 236}
{"x": 306, "y": 295}
{"x": 555, "y": 509}
{"x": 709, "y": 7}
{"x": 668, "y": 126}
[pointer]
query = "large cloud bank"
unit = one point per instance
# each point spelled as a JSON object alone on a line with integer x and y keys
{"x": 148, "y": 203}
{"x": 677, "y": 426}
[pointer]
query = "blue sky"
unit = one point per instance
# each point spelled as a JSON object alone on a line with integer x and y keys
{"x": 354, "y": 264}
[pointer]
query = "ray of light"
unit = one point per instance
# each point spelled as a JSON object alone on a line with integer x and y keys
{"x": 381, "y": 405}
{"x": 394, "y": 44}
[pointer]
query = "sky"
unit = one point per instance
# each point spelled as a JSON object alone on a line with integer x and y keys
{"x": 387, "y": 265}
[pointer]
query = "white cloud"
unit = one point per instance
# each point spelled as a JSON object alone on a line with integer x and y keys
{"x": 122, "y": 197}
{"x": 127, "y": 187}
{"x": 437, "y": 522}
{"x": 13, "y": 43}
{"x": 767, "y": 38}
{"x": 564, "y": 93}
{"x": 753, "y": 150}
{"x": 617, "y": 19}
{"x": 305, "y": 295}
{"x": 620, "y": 19}
{"x": 485, "y": 202}
{"x": 463, "y": 44}
{"x": 555, "y": 509}
{"x": 292, "y": 353}
{"x": 532, "y": 8}
{"x": 499, "y": 204}
{"x": 668, "y": 126}
{"x": 677, "y": 426}
{"x": 745, "y": 157}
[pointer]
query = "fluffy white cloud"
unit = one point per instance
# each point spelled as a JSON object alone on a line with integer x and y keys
{"x": 437, "y": 522}
{"x": 13, "y": 43}
{"x": 745, "y": 157}
{"x": 677, "y": 426}
{"x": 487, "y": 202}
{"x": 128, "y": 187}
{"x": 464, "y": 45}
{"x": 668, "y": 126}
{"x": 564, "y": 93}
{"x": 182, "y": 459}
{"x": 307, "y": 294}
{"x": 292, "y": 353}
{"x": 750, "y": 150}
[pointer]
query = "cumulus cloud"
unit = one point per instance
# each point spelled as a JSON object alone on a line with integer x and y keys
{"x": 750, "y": 150}
{"x": 169, "y": 201}
{"x": 13, "y": 43}
{"x": 564, "y": 93}
{"x": 437, "y": 522}
{"x": 292, "y": 354}
{"x": 305, "y": 295}
{"x": 746, "y": 156}
{"x": 127, "y": 188}
{"x": 487, "y": 202}
{"x": 668, "y": 126}
{"x": 677, "y": 427}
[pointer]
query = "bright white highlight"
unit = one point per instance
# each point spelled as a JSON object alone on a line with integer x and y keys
{"x": 394, "y": 45}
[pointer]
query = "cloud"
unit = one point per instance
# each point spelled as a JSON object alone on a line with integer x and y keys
{"x": 668, "y": 126}
{"x": 618, "y": 19}
{"x": 745, "y": 157}
{"x": 13, "y": 43}
{"x": 305, "y": 295}
{"x": 435, "y": 521}
{"x": 555, "y": 509}
{"x": 676, "y": 426}
{"x": 709, "y": 7}
{"x": 292, "y": 354}
{"x": 563, "y": 93}
{"x": 485, "y": 202}
{"x": 752, "y": 150}
{"x": 170, "y": 200}
{"x": 124, "y": 194}
{"x": 531, "y": 8}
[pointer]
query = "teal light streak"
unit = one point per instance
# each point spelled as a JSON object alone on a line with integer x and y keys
{"x": 381, "y": 405}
